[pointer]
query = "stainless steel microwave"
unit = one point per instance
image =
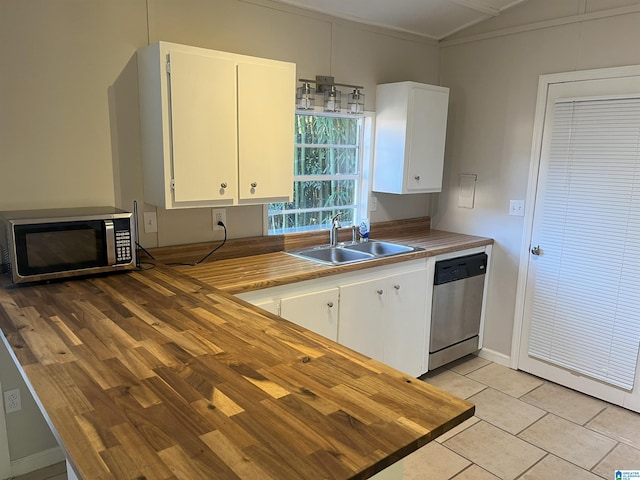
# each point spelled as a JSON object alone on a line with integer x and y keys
{"x": 41, "y": 245}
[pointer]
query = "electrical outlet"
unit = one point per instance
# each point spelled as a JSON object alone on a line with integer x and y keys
{"x": 219, "y": 215}
{"x": 12, "y": 402}
{"x": 150, "y": 222}
{"x": 516, "y": 207}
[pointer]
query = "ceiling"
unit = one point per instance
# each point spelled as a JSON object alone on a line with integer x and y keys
{"x": 434, "y": 19}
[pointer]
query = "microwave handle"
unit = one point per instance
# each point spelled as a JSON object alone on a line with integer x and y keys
{"x": 110, "y": 233}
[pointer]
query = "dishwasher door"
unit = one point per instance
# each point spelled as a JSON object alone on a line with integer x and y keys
{"x": 457, "y": 307}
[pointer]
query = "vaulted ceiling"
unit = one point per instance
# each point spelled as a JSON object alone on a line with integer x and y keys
{"x": 434, "y": 19}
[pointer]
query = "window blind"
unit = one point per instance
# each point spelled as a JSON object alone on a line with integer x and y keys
{"x": 586, "y": 302}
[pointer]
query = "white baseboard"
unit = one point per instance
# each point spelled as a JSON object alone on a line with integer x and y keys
{"x": 37, "y": 461}
{"x": 495, "y": 357}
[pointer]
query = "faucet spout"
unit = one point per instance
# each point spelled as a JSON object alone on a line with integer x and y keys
{"x": 333, "y": 232}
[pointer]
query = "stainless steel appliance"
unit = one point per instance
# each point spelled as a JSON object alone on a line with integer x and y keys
{"x": 40, "y": 245}
{"x": 457, "y": 307}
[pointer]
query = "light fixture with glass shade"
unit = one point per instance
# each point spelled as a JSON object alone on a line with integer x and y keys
{"x": 331, "y": 96}
{"x": 355, "y": 103}
{"x": 305, "y": 97}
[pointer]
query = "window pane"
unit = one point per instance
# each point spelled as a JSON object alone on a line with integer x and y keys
{"x": 326, "y": 130}
{"x": 327, "y": 174}
{"x": 325, "y": 161}
{"x": 287, "y": 222}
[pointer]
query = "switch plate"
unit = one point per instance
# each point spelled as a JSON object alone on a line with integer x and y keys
{"x": 373, "y": 203}
{"x": 12, "y": 402}
{"x": 516, "y": 207}
{"x": 219, "y": 215}
{"x": 150, "y": 222}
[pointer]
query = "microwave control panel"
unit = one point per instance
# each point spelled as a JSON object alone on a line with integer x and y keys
{"x": 123, "y": 241}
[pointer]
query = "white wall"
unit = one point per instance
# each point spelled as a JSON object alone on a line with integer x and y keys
{"x": 493, "y": 79}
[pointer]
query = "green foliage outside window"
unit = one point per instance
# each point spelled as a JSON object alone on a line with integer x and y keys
{"x": 327, "y": 174}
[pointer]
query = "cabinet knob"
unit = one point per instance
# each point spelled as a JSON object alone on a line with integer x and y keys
{"x": 223, "y": 185}
{"x": 417, "y": 177}
{"x": 380, "y": 292}
{"x": 330, "y": 304}
{"x": 254, "y": 184}
{"x": 397, "y": 287}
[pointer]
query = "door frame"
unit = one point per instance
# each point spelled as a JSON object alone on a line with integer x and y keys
{"x": 544, "y": 82}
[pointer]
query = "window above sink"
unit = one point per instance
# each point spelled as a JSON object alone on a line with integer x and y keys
{"x": 331, "y": 163}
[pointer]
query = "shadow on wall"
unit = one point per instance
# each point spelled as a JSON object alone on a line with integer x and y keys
{"x": 124, "y": 120}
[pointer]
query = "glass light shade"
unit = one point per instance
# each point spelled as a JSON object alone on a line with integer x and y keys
{"x": 305, "y": 97}
{"x": 332, "y": 100}
{"x": 355, "y": 103}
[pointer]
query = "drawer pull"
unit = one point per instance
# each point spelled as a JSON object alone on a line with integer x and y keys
{"x": 380, "y": 292}
{"x": 330, "y": 304}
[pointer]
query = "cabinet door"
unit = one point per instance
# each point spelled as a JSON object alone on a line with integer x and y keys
{"x": 266, "y": 111}
{"x": 427, "y": 125}
{"x": 362, "y": 307}
{"x": 315, "y": 311}
{"x": 405, "y": 322}
{"x": 270, "y": 306}
{"x": 203, "y": 128}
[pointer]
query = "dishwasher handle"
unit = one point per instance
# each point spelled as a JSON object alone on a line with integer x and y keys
{"x": 460, "y": 268}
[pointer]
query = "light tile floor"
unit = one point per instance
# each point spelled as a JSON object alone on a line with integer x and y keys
{"x": 525, "y": 428}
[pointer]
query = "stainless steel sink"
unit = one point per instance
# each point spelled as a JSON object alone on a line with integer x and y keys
{"x": 380, "y": 249}
{"x": 344, "y": 253}
{"x": 331, "y": 255}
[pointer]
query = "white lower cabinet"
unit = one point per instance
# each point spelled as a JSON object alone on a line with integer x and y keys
{"x": 271, "y": 306}
{"x": 379, "y": 312}
{"x": 316, "y": 311}
{"x": 385, "y": 318}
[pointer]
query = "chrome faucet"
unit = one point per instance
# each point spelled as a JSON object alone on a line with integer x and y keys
{"x": 333, "y": 232}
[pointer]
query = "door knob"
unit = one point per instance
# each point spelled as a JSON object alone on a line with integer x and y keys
{"x": 536, "y": 250}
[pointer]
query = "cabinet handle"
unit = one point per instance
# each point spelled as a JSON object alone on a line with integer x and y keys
{"x": 417, "y": 177}
{"x": 223, "y": 185}
{"x": 380, "y": 292}
{"x": 254, "y": 184}
{"x": 330, "y": 304}
{"x": 397, "y": 287}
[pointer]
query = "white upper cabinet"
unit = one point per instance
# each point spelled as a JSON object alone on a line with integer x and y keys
{"x": 411, "y": 123}
{"x": 216, "y": 128}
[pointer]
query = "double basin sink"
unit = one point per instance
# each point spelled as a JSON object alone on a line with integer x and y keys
{"x": 351, "y": 252}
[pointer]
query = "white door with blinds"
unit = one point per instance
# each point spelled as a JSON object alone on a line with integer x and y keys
{"x": 581, "y": 322}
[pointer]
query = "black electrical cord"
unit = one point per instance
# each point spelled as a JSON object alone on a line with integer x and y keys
{"x": 208, "y": 254}
{"x": 145, "y": 251}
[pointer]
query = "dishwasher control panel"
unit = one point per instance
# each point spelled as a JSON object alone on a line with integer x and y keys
{"x": 460, "y": 268}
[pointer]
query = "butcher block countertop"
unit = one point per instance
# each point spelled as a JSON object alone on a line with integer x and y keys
{"x": 253, "y": 271}
{"x": 156, "y": 375}
{"x": 162, "y": 374}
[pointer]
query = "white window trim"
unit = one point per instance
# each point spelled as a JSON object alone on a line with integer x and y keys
{"x": 366, "y": 185}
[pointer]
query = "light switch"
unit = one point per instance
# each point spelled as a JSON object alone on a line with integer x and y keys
{"x": 516, "y": 207}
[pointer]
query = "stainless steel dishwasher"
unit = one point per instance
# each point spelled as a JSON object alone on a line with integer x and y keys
{"x": 457, "y": 305}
